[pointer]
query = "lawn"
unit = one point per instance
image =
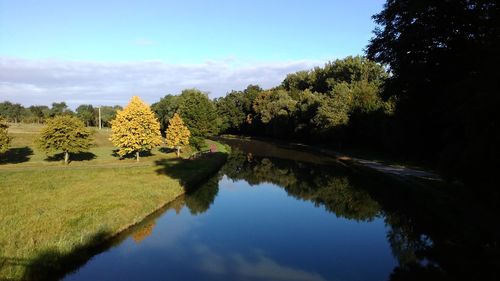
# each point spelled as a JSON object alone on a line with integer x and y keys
{"x": 48, "y": 207}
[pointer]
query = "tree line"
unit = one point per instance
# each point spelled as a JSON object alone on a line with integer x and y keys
{"x": 89, "y": 114}
{"x": 339, "y": 103}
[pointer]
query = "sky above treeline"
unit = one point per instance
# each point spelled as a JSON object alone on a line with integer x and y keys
{"x": 103, "y": 52}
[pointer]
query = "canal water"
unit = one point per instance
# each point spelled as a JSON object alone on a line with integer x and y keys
{"x": 277, "y": 213}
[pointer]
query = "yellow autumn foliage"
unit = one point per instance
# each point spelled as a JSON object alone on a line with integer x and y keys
{"x": 135, "y": 128}
{"x": 177, "y": 133}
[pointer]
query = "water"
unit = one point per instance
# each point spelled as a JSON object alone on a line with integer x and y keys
{"x": 274, "y": 213}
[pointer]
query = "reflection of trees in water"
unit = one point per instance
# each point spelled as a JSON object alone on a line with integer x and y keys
{"x": 435, "y": 232}
{"x": 143, "y": 232}
{"x": 197, "y": 201}
{"x": 438, "y": 232}
{"x": 200, "y": 200}
{"x": 324, "y": 185}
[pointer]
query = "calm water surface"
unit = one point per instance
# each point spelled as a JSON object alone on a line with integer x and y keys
{"x": 273, "y": 213}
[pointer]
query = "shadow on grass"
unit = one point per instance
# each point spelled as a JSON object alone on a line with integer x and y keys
{"x": 51, "y": 264}
{"x": 131, "y": 155}
{"x": 166, "y": 150}
{"x": 80, "y": 156}
{"x": 191, "y": 173}
{"x": 16, "y": 155}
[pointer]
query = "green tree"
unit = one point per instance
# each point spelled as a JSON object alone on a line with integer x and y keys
{"x": 86, "y": 113}
{"x": 323, "y": 79}
{"x": 236, "y": 109}
{"x": 67, "y": 134}
{"x": 165, "y": 109}
{"x": 334, "y": 111}
{"x": 199, "y": 113}
{"x": 60, "y": 108}
{"x": 177, "y": 134}
{"x": 108, "y": 113}
{"x": 4, "y": 136}
{"x": 275, "y": 109}
{"x": 231, "y": 110}
{"x": 11, "y": 111}
{"x": 40, "y": 112}
{"x": 135, "y": 129}
{"x": 298, "y": 81}
{"x": 306, "y": 109}
{"x": 272, "y": 104}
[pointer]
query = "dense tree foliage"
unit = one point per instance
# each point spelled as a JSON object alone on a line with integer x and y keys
{"x": 198, "y": 112}
{"x": 11, "y": 111}
{"x": 65, "y": 133}
{"x": 135, "y": 129}
{"x": 39, "y": 113}
{"x": 165, "y": 109}
{"x": 331, "y": 103}
{"x": 4, "y": 136}
{"x": 108, "y": 113}
{"x": 15, "y": 112}
{"x": 231, "y": 111}
{"x": 177, "y": 134}
{"x": 324, "y": 79}
{"x": 236, "y": 110}
{"x": 60, "y": 108}
{"x": 443, "y": 57}
{"x": 87, "y": 113}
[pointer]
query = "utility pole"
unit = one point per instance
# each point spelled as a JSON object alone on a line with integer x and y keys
{"x": 99, "y": 107}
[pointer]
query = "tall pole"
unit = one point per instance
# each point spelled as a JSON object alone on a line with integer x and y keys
{"x": 99, "y": 117}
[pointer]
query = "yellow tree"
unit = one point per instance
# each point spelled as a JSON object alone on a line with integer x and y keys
{"x": 177, "y": 133}
{"x": 135, "y": 129}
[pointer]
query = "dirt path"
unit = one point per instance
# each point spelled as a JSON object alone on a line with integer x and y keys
{"x": 396, "y": 170}
{"x": 390, "y": 169}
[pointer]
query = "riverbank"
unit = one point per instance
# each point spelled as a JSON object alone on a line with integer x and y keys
{"x": 49, "y": 212}
{"x": 360, "y": 160}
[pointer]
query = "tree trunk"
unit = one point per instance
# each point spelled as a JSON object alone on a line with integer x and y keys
{"x": 178, "y": 152}
{"x": 137, "y": 156}
{"x": 66, "y": 157}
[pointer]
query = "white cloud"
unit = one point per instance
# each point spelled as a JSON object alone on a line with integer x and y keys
{"x": 256, "y": 266}
{"x": 29, "y": 81}
{"x": 265, "y": 268}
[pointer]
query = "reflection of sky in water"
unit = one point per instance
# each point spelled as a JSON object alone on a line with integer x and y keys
{"x": 249, "y": 233}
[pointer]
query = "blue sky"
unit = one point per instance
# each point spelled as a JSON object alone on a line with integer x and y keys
{"x": 189, "y": 36}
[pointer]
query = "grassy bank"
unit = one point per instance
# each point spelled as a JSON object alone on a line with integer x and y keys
{"x": 47, "y": 207}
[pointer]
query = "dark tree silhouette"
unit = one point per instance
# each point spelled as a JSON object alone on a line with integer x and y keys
{"x": 443, "y": 57}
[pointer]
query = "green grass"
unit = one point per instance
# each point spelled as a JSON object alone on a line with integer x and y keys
{"x": 48, "y": 207}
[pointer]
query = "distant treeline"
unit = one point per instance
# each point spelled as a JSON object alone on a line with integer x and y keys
{"x": 15, "y": 112}
{"x": 339, "y": 103}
